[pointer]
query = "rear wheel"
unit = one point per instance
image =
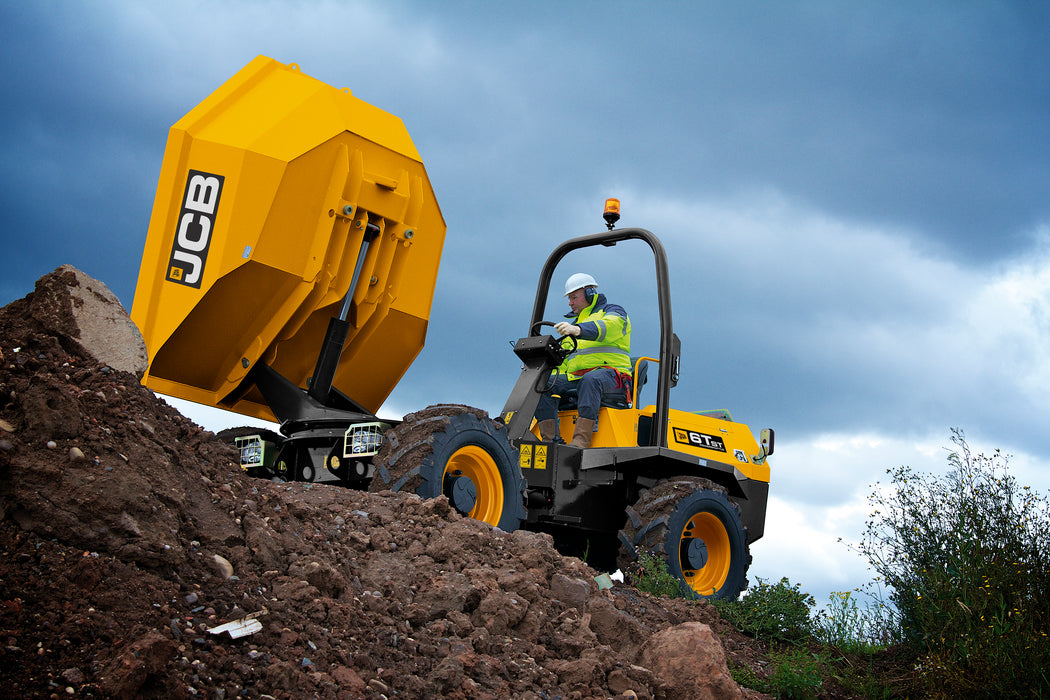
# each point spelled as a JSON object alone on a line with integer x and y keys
{"x": 458, "y": 452}
{"x": 693, "y": 526}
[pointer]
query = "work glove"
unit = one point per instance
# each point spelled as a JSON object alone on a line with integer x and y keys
{"x": 566, "y": 328}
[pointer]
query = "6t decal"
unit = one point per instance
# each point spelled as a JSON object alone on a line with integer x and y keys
{"x": 692, "y": 437}
{"x": 189, "y": 251}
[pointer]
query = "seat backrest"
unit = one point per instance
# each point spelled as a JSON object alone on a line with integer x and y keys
{"x": 621, "y": 399}
{"x": 642, "y": 374}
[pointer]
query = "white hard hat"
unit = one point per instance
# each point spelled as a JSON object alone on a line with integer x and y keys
{"x": 579, "y": 281}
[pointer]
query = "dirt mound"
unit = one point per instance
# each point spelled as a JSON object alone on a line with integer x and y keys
{"x": 129, "y": 534}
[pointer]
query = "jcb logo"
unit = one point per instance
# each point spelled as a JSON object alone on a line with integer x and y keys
{"x": 189, "y": 251}
{"x": 691, "y": 437}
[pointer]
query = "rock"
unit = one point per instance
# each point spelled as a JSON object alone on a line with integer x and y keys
{"x": 74, "y": 304}
{"x": 76, "y": 454}
{"x": 139, "y": 664}
{"x": 73, "y": 675}
{"x": 689, "y": 659}
{"x": 348, "y": 679}
{"x": 224, "y": 567}
{"x": 615, "y": 627}
{"x": 571, "y": 591}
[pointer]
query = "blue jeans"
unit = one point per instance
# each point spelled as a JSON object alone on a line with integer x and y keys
{"x": 588, "y": 391}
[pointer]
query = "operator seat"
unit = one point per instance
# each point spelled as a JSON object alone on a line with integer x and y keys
{"x": 619, "y": 398}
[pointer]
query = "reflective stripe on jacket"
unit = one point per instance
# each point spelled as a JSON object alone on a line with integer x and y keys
{"x": 604, "y": 340}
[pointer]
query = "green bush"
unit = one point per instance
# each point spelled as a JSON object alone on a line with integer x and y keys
{"x": 775, "y": 612}
{"x": 649, "y": 573}
{"x": 967, "y": 560}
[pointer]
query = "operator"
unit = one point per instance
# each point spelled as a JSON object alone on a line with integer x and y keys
{"x": 601, "y": 362}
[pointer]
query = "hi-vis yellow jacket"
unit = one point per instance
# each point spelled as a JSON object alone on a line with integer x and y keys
{"x": 604, "y": 340}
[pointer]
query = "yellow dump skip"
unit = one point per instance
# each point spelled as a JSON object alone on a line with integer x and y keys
{"x": 265, "y": 193}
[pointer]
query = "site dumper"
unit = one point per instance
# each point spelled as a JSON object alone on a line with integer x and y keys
{"x": 288, "y": 275}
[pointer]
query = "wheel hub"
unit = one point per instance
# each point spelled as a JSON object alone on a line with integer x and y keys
{"x": 462, "y": 492}
{"x": 695, "y": 552}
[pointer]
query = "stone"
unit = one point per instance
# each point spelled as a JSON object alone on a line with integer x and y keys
{"x": 571, "y": 591}
{"x": 85, "y": 309}
{"x": 689, "y": 659}
{"x": 223, "y": 566}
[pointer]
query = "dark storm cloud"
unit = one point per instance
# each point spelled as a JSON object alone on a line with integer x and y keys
{"x": 914, "y": 132}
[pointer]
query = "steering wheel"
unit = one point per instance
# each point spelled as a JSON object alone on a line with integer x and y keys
{"x": 535, "y": 330}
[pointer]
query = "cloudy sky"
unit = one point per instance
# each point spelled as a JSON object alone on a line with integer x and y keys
{"x": 855, "y": 198}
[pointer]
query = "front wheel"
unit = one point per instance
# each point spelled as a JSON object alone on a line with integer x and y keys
{"x": 458, "y": 452}
{"x": 693, "y": 526}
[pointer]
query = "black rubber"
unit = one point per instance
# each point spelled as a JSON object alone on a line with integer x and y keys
{"x": 415, "y": 454}
{"x": 667, "y": 508}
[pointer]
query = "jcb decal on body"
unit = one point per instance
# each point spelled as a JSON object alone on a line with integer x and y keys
{"x": 189, "y": 251}
{"x": 692, "y": 437}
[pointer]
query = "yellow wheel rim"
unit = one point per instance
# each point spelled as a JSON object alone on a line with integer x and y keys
{"x": 476, "y": 464}
{"x": 709, "y": 578}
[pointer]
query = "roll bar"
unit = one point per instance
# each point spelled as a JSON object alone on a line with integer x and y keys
{"x": 670, "y": 346}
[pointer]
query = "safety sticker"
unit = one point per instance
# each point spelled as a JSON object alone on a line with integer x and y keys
{"x": 532, "y": 456}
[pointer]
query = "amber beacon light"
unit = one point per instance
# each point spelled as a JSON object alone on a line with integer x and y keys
{"x": 612, "y": 212}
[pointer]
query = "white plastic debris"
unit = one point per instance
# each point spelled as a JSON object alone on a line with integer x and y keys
{"x": 238, "y": 628}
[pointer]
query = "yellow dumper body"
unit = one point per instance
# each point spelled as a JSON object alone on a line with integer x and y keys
{"x": 265, "y": 195}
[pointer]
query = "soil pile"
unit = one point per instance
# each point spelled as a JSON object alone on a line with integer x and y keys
{"x": 129, "y": 535}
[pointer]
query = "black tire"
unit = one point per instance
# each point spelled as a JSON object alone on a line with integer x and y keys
{"x": 693, "y": 526}
{"x": 458, "y": 452}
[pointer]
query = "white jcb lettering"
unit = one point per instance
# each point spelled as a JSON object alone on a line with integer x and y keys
{"x": 194, "y": 262}
{"x": 202, "y": 193}
{"x": 186, "y": 230}
{"x": 189, "y": 250}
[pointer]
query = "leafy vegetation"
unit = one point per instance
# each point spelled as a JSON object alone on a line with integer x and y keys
{"x": 853, "y": 625}
{"x": 649, "y": 573}
{"x": 965, "y": 560}
{"x": 797, "y": 673}
{"x": 776, "y": 612}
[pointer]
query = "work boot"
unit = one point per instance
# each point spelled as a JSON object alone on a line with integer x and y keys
{"x": 548, "y": 429}
{"x": 582, "y": 436}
